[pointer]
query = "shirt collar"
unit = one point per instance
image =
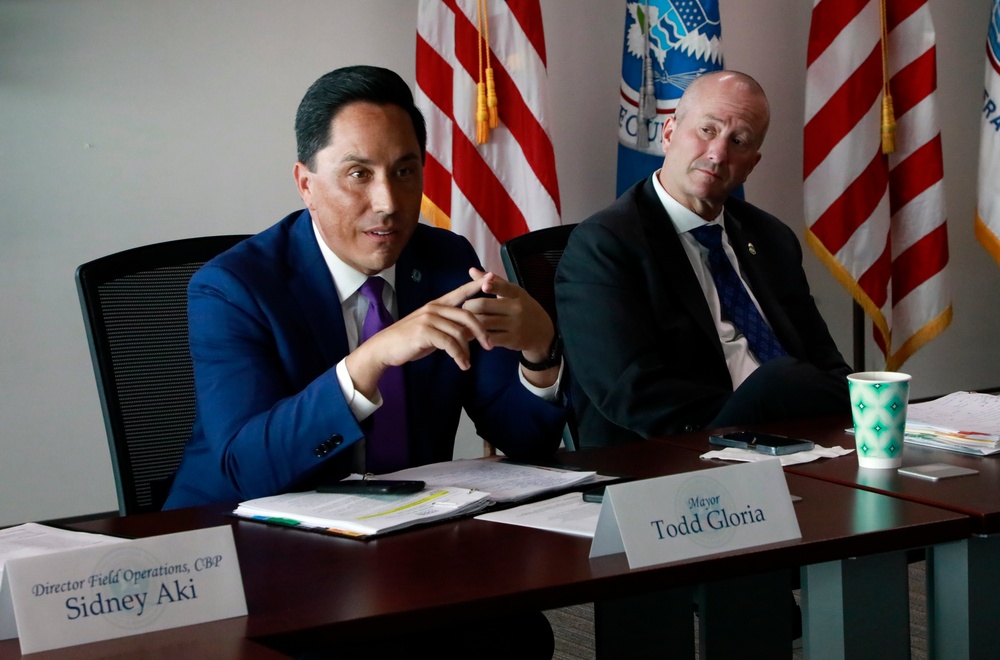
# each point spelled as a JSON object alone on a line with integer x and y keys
{"x": 684, "y": 219}
{"x": 347, "y": 280}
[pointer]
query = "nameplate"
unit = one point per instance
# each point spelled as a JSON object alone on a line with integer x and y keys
{"x": 105, "y": 592}
{"x": 655, "y": 521}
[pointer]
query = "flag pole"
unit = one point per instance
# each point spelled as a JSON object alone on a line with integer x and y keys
{"x": 859, "y": 337}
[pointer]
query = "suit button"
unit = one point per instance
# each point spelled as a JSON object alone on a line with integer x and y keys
{"x": 335, "y": 441}
{"x": 322, "y": 450}
{"x": 691, "y": 428}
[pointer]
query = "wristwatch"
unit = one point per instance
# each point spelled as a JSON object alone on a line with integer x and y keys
{"x": 553, "y": 360}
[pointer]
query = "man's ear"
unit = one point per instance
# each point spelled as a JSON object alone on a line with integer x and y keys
{"x": 756, "y": 160}
{"x": 303, "y": 182}
{"x": 668, "y": 132}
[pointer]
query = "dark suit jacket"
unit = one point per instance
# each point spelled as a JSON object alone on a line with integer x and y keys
{"x": 267, "y": 331}
{"x": 640, "y": 341}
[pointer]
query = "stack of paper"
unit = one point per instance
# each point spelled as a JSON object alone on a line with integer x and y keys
{"x": 967, "y": 422}
{"x": 362, "y": 515}
{"x": 453, "y": 488}
{"x": 29, "y": 540}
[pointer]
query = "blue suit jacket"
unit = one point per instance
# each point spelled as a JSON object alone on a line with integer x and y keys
{"x": 267, "y": 331}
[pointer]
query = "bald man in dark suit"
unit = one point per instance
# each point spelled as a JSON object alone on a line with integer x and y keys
{"x": 652, "y": 347}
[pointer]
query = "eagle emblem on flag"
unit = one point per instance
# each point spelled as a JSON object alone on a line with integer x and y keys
{"x": 667, "y": 45}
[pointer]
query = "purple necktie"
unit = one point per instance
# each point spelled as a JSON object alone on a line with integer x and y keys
{"x": 386, "y": 446}
{"x": 737, "y": 307}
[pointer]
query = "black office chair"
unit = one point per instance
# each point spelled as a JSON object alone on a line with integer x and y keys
{"x": 135, "y": 313}
{"x": 530, "y": 261}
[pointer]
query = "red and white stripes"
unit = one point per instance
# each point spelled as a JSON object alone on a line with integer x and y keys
{"x": 491, "y": 192}
{"x": 878, "y": 222}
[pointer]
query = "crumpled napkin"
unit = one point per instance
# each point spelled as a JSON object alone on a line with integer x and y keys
{"x": 751, "y": 456}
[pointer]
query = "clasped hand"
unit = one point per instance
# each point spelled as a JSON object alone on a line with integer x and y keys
{"x": 512, "y": 319}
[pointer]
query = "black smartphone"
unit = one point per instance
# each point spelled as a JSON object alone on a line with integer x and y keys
{"x": 372, "y": 487}
{"x": 594, "y": 495}
{"x": 765, "y": 443}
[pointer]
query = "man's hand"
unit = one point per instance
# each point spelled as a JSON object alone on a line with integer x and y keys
{"x": 441, "y": 324}
{"x": 516, "y": 321}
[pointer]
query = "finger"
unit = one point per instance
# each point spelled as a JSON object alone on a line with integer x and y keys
{"x": 429, "y": 329}
{"x": 500, "y": 287}
{"x": 487, "y": 306}
{"x": 487, "y": 279}
{"x": 496, "y": 325}
{"x": 461, "y": 321}
{"x": 456, "y": 297}
{"x": 456, "y": 347}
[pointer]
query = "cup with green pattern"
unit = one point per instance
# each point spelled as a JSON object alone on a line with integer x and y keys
{"x": 878, "y": 407}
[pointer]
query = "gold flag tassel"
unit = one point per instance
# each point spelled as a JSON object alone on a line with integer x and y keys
{"x": 486, "y": 95}
{"x": 491, "y": 96}
{"x": 888, "y": 114}
{"x": 491, "y": 88}
{"x": 482, "y": 116}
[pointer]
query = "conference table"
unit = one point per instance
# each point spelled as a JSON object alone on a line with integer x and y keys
{"x": 323, "y": 589}
{"x": 963, "y": 577}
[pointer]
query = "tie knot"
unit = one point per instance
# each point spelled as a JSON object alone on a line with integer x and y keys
{"x": 708, "y": 235}
{"x": 372, "y": 290}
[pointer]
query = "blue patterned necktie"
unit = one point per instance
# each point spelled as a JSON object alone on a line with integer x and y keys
{"x": 737, "y": 307}
{"x": 386, "y": 445}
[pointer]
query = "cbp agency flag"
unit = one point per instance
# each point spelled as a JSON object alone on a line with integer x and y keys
{"x": 668, "y": 43}
{"x": 988, "y": 209}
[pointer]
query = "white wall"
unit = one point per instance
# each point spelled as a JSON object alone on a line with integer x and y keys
{"x": 125, "y": 122}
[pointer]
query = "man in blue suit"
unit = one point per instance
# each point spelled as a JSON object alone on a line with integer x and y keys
{"x": 288, "y": 388}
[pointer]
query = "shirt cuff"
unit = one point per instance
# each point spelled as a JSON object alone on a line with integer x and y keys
{"x": 358, "y": 402}
{"x": 549, "y": 394}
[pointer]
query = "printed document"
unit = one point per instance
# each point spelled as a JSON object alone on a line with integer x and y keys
{"x": 566, "y": 514}
{"x": 505, "y": 481}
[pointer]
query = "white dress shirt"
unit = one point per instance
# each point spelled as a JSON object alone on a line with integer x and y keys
{"x": 739, "y": 358}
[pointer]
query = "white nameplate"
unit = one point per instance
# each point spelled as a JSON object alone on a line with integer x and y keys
{"x": 655, "y": 521}
{"x": 104, "y": 592}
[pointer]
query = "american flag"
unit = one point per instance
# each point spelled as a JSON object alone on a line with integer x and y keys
{"x": 507, "y": 186}
{"x": 876, "y": 220}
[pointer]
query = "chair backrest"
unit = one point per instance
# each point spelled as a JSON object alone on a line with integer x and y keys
{"x": 531, "y": 261}
{"x": 135, "y": 313}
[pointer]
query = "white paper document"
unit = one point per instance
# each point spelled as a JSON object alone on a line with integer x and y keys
{"x": 566, "y": 514}
{"x": 967, "y": 422}
{"x": 753, "y": 456}
{"x": 363, "y": 515}
{"x": 503, "y": 480}
{"x": 29, "y": 540}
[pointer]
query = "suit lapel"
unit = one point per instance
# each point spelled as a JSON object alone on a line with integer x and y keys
{"x": 669, "y": 256}
{"x": 314, "y": 292}
{"x": 411, "y": 282}
{"x": 413, "y": 287}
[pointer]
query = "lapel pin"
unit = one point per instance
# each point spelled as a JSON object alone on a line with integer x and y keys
{"x": 752, "y": 249}
{"x": 415, "y": 275}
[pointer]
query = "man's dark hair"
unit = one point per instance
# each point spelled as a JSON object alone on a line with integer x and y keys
{"x": 333, "y": 91}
